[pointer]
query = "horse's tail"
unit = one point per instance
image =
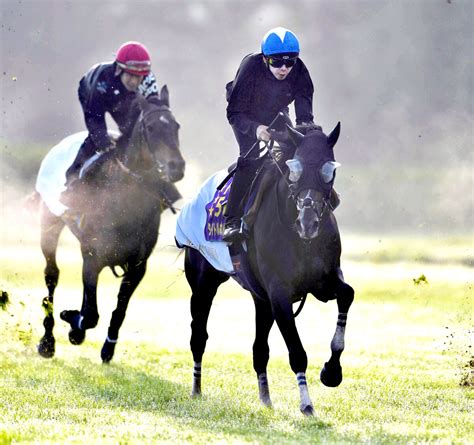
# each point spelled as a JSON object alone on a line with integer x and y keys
{"x": 31, "y": 202}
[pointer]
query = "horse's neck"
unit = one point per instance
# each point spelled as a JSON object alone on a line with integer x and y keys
{"x": 284, "y": 208}
{"x": 132, "y": 150}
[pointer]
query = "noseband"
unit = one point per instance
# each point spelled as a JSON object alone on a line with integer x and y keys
{"x": 309, "y": 203}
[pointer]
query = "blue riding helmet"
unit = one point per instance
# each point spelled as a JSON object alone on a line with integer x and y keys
{"x": 280, "y": 40}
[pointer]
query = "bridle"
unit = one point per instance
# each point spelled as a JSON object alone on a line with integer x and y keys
{"x": 309, "y": 203}
{"x": 301, "y": 203}
{"x": 157, "y": 170}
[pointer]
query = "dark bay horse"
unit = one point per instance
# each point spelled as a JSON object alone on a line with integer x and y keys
{"x": 294, "y": 249}
{"x": 121, "y": 206}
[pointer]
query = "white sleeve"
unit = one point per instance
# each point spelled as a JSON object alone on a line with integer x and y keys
{"x": 148, "y": 86}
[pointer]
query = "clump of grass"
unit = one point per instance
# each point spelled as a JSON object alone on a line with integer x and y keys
{"x": 4, "y": 300}
{"x": 421, "y": 279}
{"x": 467, "y": 376}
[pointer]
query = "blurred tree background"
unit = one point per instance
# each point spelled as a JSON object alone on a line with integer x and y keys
{"x": 397, "y": 74}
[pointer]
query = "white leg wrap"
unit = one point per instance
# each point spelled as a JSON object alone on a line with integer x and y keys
{"x": 196, "y": 390}
{"x": 197, "y": 370}
{"x": 337, "y": 343}
{"x": 303, "y": 387}
{"x": 79, "y": 323}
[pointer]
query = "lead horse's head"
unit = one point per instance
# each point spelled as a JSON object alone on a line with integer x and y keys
{"x": 312, "y": 172}
{"x": 157, "y": 132}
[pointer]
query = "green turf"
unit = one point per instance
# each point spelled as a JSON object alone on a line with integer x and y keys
{"x": 407, "y": 377}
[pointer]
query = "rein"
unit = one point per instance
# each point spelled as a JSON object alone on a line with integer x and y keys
{"x": 300, "y": 307}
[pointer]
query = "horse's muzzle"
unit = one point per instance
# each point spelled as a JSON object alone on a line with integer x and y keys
{"x": 307, "y": 224}
{"x": 175, "y": 170}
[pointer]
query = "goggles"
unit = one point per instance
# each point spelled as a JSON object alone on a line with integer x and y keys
{"x": 278, "y": 62}
{"x": 136, "y": 67}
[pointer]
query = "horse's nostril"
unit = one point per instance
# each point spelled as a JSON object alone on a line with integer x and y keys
{"x": 176, "y": 165}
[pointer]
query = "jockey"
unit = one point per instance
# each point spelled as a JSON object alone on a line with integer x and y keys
{"x": 265, "y": 84}
{"x": 110, "y": 87}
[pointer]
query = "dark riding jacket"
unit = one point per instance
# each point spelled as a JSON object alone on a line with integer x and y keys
{"x": 101, "y": 91}
{"x": 256, "y": 96}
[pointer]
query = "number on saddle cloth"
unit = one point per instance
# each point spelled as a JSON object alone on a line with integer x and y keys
{"x": 215, "y": 210}
{"x": 215, "y": 219}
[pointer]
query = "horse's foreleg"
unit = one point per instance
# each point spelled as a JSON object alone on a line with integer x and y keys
{"x": 283, "y": 312}
{"x": 204, "y": 281}
{"x": 51, "y": 227}
{"x": 129, "y": 283}
{"x": 261, "y": 351}
{"x": 331, "y": 374}
{"x": 88, "y": 317}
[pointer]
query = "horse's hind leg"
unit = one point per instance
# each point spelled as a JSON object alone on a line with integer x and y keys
{"x": 51, "y": 227}
{"x": 204, "y": 281}
{"x": 331, "y": 374}
{"x": 261, "y": 351}
{"x": 129, "y": 283}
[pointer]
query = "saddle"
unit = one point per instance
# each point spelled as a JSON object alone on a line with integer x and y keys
{"x": 215, "y": 209}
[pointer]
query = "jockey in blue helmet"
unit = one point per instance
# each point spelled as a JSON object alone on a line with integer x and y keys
{"x": 265, "y": 84}
{"x": 280, "y": 41}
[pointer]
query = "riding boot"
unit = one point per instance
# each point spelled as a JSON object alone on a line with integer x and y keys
{"x": 86, "y": 150}
{"x": 235, "y": 205}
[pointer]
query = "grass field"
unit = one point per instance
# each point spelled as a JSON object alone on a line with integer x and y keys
{"x": 407, "y": 365}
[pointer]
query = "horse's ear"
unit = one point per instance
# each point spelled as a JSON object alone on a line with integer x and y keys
{"x": 165, "y": 96}
{"x": 295, "y": 136}
{"x": 334, "y": 136}
{"x": 141, "y": 102}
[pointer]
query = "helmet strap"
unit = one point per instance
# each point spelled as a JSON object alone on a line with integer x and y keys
{"x": 265, "y": 61}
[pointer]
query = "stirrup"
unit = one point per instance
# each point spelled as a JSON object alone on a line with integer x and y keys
{"x": 232, "y": 232}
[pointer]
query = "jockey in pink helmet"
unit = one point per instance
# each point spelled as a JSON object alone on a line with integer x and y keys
{"x": 110, "y": 87}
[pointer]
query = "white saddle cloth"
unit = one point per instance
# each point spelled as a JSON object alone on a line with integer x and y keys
{"x": 51, "y": 179}
{"x": 192, "y": 220}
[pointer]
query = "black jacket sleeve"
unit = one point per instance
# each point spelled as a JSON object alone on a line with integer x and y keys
{"x": 239, "y": 94}
{"x": 92, "y": 96}
{"x": 94, "y": 115}
{"x": 304, "y": 97}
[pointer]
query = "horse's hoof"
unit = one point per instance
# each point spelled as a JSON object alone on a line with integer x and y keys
{"x": 46, "y": 347}
{"x": 69, "y": 316}
{"x": 267, "y": 403}
{"x": 76, "y": 336}
{"x": 307, "y": 410}
{"x": 265, "y": 400}
{"x": 107, "y": 351}
{"x": 331, "y": 376}
{"x": 196, "y": 391}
